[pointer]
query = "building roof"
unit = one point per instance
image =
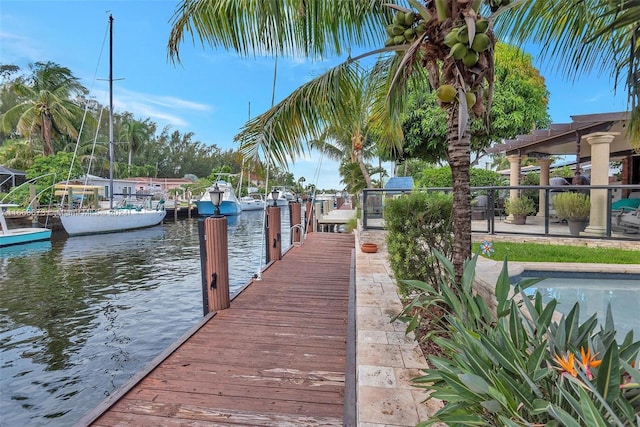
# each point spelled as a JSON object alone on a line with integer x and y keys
{"x": 8, "y": 171}
{"x": 564, "y": 138}
{"x": 400, "y": 183}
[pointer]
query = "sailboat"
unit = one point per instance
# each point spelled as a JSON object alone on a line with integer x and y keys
{"x": 111, "y": 220}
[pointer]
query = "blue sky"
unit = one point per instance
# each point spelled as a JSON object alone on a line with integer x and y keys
{"x": 209, "y": 93}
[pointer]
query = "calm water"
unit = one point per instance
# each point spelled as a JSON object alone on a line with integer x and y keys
{"x": 81, "y": 315}
{"x": 594, "y": 296}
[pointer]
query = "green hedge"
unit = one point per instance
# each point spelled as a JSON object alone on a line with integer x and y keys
{"x": 418, "y": 224}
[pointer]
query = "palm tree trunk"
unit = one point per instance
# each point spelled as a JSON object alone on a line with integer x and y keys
{"x": 458, "y": 152}
{"x": 46, "y": 134}
{"x": 363, "y": 168}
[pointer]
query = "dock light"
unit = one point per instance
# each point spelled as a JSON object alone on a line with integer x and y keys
{"x": 274, "y": 195}
{"x": 216, "y": 199}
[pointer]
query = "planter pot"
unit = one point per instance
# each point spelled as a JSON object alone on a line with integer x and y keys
{"x": 369, "y": 248}
{"x": 576, "y": 226}
{"x": 519, "y": 219}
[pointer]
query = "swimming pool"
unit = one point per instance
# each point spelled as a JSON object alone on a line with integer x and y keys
{"x": 594, "y": 292}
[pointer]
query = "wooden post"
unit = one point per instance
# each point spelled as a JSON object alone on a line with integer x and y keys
{"x": 214, "y": 262}
{"x": 308, "y": 213}
{"x": 295, "y": 221}
{"x": 273, "y": 241}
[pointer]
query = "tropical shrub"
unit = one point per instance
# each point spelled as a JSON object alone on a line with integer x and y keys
{"x": 418, "y": 224}
{"x": 516, "y": 366}
{"x": 519, "y": 206}
{"x": 572, "y": 205}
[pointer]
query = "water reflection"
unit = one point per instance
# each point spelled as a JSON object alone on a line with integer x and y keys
{"x": 79, "y": 317}
{"x": 594, "y": 296}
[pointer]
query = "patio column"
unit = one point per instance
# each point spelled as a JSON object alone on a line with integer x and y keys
{"x": 514, "y": 179}
{"x": 544, "y": 180}
{"x": 600, "y": 145}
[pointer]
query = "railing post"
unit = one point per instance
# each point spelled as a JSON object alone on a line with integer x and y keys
{"x": 364, "y": 209}
{"x": 214, "y": 262}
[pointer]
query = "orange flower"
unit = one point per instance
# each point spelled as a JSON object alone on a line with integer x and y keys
{"x": 567, "y": 364}
{"x": 588, "y": 361}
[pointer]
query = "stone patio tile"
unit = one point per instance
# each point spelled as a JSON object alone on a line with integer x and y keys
{"x": 413, "y": 357}
{"x": 372, "y": 336}
{"x": 374, "y": 323}
{"x": 376, "y": 376}
{"x": 401, "y": 338}
{"x": 379, "y": 354}
{"x": 386, "y": 406}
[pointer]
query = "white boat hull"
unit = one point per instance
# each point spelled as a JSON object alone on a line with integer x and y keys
{"x": 249, "y": 203}
{"x": 110, "y": 221}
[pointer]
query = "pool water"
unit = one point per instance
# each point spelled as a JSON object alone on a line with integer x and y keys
{"x": 594, "y": 292}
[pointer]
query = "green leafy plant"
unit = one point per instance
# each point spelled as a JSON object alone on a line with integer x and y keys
{"x": 519, "y": 206}
{"x": 514, "y": 365}
{"x": 418, "y": 224}
{"x": 572, "y": 205}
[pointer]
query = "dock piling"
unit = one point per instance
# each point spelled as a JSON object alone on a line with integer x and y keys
{"x": 214, "y": 260}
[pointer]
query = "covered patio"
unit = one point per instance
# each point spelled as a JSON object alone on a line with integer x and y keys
{"x": 595, "y": 138}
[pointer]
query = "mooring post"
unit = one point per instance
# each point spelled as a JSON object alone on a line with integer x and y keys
{"x": 308, "y": 213}
{"x": 273, "y": 232}
{"x": 295, "y": 222}
{"x": 214, "y": 263}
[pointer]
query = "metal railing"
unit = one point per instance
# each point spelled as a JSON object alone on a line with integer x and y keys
{"x": 373, "y": 201}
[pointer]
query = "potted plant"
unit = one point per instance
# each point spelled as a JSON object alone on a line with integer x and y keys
{"x": 519, "y": 208}
{"x": 575, "y": 208}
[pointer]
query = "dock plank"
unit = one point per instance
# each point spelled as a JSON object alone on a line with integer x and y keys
{"x": 276, "y": 357}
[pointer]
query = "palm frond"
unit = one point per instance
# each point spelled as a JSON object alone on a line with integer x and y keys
{"x": 282, "y": 131}
{"x": 313, "y": 29}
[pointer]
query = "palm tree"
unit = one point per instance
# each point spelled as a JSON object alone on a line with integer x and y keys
{"x": 581, "y": 36}
{"x": 134, "y": 133}
{"x": 47, "y": 108}
{"x": 290, "y": 27}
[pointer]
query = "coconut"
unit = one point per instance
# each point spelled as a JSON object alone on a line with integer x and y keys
{"x": 459, "y": 51}
{"x": 446, "y": 93}
{"x": 389, "y": 29}
{"x": 451, "y": 38}
{"x": 471, "y": 58}
{"x": 481, "y": 42}
{"x": 471, "y": 99}
{"x": 389, "y": 42}
{"x": 409, "y": 17}
{"x": 482, "y": 25}
{"x": 397, "y": 30}
{"x": 410, "y": 34}
{"x": 463, "y": 34}
{"x": 398, "y": 40}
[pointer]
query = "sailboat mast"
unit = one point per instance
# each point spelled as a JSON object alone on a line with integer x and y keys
{"x": 111, "y": 155}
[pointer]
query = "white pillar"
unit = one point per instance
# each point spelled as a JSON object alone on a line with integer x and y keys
{"x": 600, "y": 143}
{"x": 514, "y": 179}
{"x": 544, "y": 180}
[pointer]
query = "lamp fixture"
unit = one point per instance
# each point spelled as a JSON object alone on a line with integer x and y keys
{"x": 216, "y": 199}
{"x": 274, "y": 195}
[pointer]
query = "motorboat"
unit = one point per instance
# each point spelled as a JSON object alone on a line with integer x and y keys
{"x": 252, "y": 202}
{"x": 284, "y": 197}
{"x": 16, "y": 236}
{"x": 229, "y": 206}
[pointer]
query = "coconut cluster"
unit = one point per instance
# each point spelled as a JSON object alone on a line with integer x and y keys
{"x": 405, "y": 28}
{"x": 458, "y": 41}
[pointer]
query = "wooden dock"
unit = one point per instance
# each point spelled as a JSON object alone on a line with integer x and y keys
{"x": 280, "y": 355}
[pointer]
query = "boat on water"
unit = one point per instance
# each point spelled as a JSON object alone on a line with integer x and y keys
{"x": 17, "y": 236}
{"x": 252, "y": 202}
{"x": 229, "y": 206}
{"x": 113, "y": 219}
{"x": 283, "y": 199}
